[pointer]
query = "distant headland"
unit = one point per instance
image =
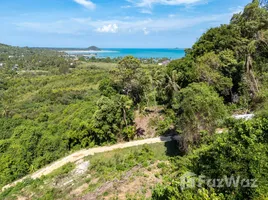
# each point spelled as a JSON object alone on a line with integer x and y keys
{"x": 93, "y": 48}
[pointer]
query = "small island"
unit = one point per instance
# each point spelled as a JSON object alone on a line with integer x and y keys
{"x": 93, "y": 48}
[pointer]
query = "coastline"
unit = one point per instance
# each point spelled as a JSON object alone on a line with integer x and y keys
{"x": 145, "y": 53}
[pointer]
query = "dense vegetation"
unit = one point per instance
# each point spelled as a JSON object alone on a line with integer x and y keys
{"x": 51, "y": 104}
{"x": 241, "y": 152}
{"x": 233, "y": 60}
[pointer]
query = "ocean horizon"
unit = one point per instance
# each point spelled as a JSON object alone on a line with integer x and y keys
{"x": 136, "y": 52}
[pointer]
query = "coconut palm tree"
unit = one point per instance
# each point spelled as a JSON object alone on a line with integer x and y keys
{"x": 172, "y": 84}
{"x": 124, "y": 104}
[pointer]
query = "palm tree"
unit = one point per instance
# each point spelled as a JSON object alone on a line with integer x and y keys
{"x": 6, "y": 111}
{"x": 172, "y": 84}
{"x": 156, "y": 79}
{"x": 124, "y": 103}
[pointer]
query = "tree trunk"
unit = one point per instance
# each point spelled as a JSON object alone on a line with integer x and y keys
{"x": 250, "y": 75}
{"x": 125, "y": 116}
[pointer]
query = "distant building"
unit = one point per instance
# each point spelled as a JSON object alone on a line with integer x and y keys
{"x": 10, "y": 56}
{"x": 75, "y": 58}
{"x": 164, "y": 63}
{"x": 91, "y": 55}
{"x": 15, "y": 67}
{"x": 245, "y": 116}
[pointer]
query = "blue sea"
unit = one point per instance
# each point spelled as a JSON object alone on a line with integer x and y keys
{"x": 138, "y": 53}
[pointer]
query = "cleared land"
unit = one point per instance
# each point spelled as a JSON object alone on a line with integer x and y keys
{"x": 87, "y": 152}
{"x": 118, "y": 173}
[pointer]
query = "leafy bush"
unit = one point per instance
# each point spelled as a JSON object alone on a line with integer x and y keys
{"x": 241, "y": 152}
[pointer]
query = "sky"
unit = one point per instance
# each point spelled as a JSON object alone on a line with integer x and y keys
{"x": 112, "y": 23}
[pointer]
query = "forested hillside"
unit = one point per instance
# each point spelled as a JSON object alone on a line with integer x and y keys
{"x": 51, "y": 105}
{"x": 40, "y": 105}
{"x": 233, "y": 60}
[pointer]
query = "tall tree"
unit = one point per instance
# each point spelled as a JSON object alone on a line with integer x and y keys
{"x": 129, "y": 74}
{"x": 199, "y": 108}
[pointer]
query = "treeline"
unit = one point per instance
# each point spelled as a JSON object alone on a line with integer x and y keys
{"x": 117, "y": 59}
{"x": 14, "y": 58}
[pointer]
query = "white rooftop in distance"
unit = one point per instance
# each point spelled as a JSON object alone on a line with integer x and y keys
{"x": 245, "y": 116}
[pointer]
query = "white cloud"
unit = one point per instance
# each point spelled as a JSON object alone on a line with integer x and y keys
{"x": 236, "y": 10}
{"x": 127, "y": 17}
{"x": 145, "y": 31}
{"x": 146, "y": 11}
{"x": 86, "y": 3}
{"x": 58, "y": 27}
{"x": 84, "y": 26}
{"x": 127, "y": 6}
{"x": 81, "y": 20}
{"x": 150, "y": 3}
{"x": 110, "y": 28}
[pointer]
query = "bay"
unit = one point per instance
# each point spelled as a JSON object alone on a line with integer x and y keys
{"x": 136, "y": 52}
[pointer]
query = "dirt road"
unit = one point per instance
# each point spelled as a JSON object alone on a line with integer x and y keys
{"x": 86, "y": 152}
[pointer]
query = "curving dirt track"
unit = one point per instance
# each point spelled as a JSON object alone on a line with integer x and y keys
{"x": 86, "y": 152}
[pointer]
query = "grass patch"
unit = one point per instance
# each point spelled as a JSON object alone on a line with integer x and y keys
{"x": 104, "y": 167}
{"x": 63, "y": 171}
{"x": 111, "y": 164}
